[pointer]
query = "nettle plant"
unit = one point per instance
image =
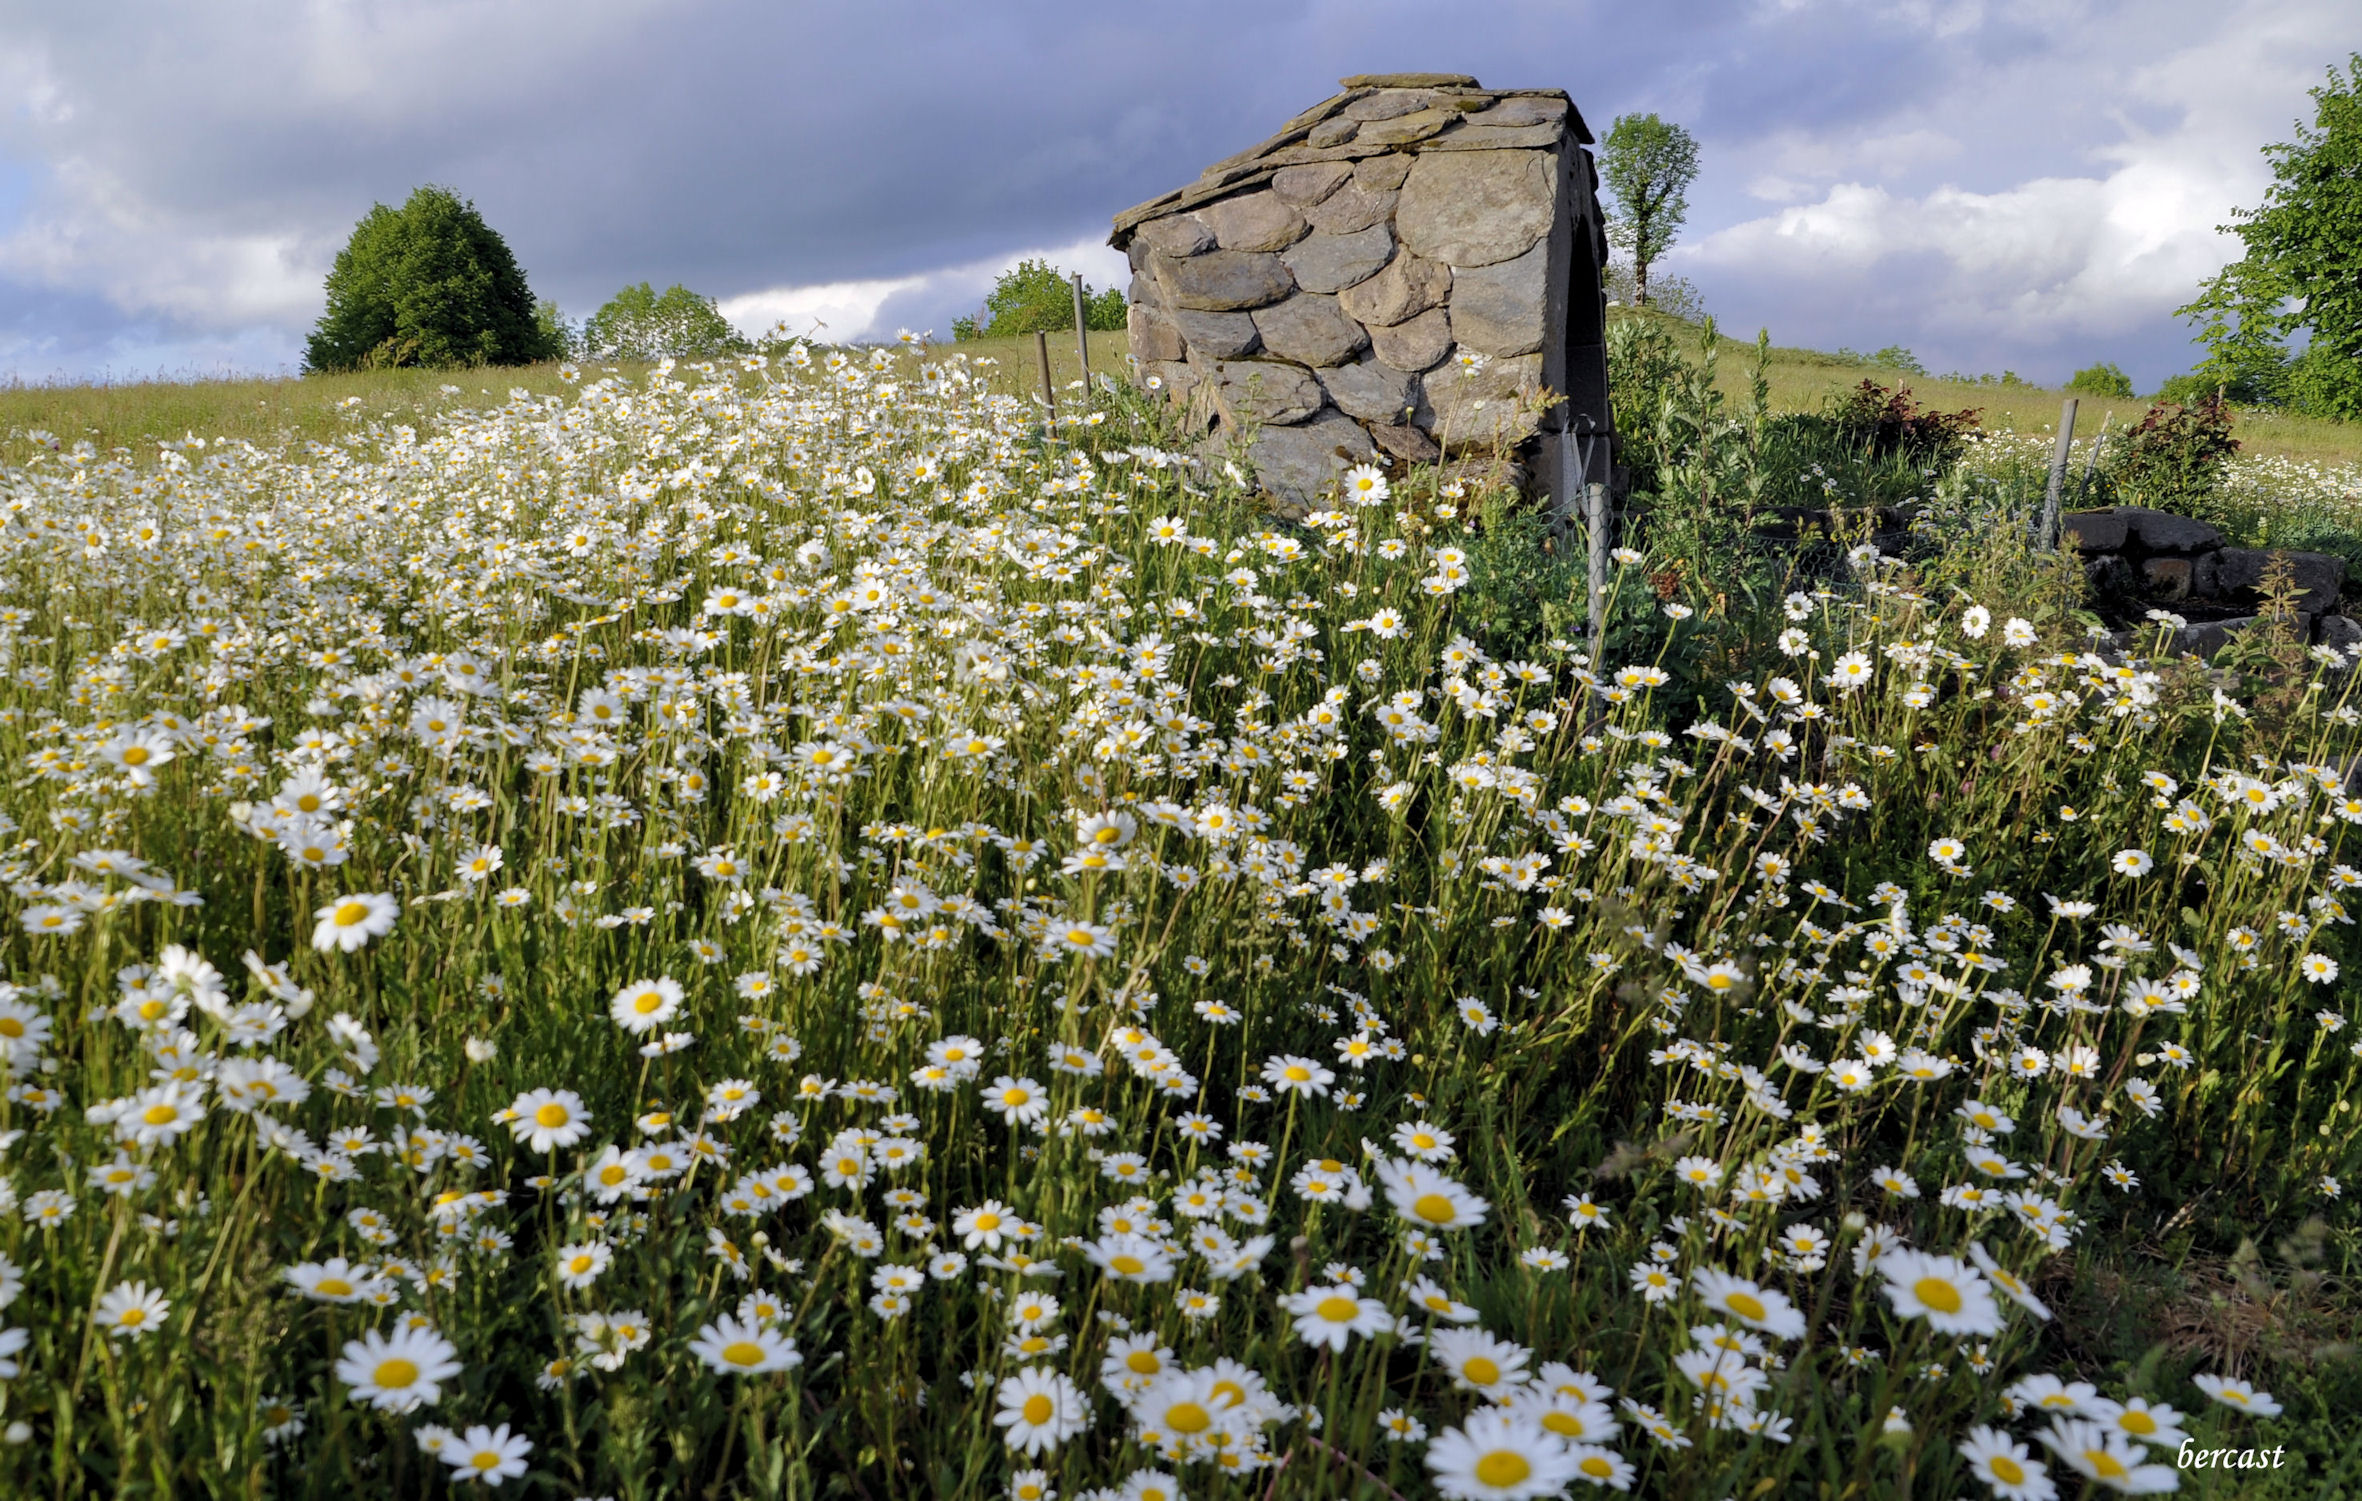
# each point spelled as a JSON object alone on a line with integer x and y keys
{"x": 776, "y": 929}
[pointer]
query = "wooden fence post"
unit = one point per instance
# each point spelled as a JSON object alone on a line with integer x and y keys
{"x": 1041, "y": 349}
{"x": 2092, "y": 463}
{"x": 1595, "y": 498}
{"x": 2058, "y": 473}
{"x": 1082, "y": 337}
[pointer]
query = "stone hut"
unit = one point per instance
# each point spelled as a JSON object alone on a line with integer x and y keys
{"x": 1408, "y": 269}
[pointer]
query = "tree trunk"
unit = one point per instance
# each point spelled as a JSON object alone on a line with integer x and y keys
{"x": 1639, "y": 282}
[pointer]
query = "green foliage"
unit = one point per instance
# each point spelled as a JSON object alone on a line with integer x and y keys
{"x": 1891, "y": 424}
{"x": 1674, "y": 296}
{"x": 1892, "y": 357}
{"x": 2102, "y": 380}
{"x": 1648, "y": 164}
{"x": 2300, "y": 281}
{"x": 639, "y": 323}
{"x": 1036, "y": 297}
{"x": 564, "y": 338}
{"x": 2173, "y": 458}
{"x": 427, "y": 284}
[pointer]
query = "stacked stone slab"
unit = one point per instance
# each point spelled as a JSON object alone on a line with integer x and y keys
{"x": 2138, "y": 559}
{"x": 1315, "y": 293}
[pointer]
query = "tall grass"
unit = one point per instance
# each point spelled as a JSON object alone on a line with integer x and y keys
{"x": 857, "y": 866}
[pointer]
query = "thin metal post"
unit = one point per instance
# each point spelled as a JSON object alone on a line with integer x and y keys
{"x": 1082, "y": 337}
{"x": 2092, "y": 464}
{"x": 2058, "y": 473}
{"x": 1595, "y": 506}
{"x": 1041, "y": 349}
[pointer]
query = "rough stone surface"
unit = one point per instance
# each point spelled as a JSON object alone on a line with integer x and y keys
{"x": 2237, "y": 573}
{"x": 1525, "y": 110}
{"x": 1350, "y": 208}
{"x": 1476, "y": 208}
{"x": 1153, "y": 334}
{"x": 1407, "y": 287}
{"x": 1500, "y": 309}
{"x": 1381, "y": 174}
{"x": 1389, "y": 104}
{"x": 2341, "y": 632}
{"x": 2166, "y": 578}
{"x": 1331, "y": 263}
{"x": 1307, "y": 185}
{"x": 1408, "y": 129}
{"x": 1179, "y": 237}
{"x": 1405, "y": 442}
{"x": 1415, "y": 343}
{"x": 1492, "y": 408}
{"x": 1220, "y": 336}
{"x": 2207, "y": 637}
{"x": 2161, "y": 531}
{"x": 1253, "y": 221}
{"x": 1271, "y": 392}
{"x": 2093, "y": 531}
{"x": 1309, "y": 329}
{"x": 1224, "y": 281}
{"x": 1332, "y": 133}
{"x": 1297, "y": 465}
{"x": 1179, "y": 379}
{"x": 1372, "y": 391}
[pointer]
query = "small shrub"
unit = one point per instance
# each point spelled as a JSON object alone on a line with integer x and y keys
{"x": 2102, "y": 380}
{"x": 431, "y": 284}
{"x": 1890, "y": 424}
{"x": 640, "y": 323}
{"x": 2173, "y": 457}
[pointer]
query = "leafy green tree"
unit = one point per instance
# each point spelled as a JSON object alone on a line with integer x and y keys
{"x": 1036, "y": 297}
{"x": 429, "y": 283}
{"x": 2102, "y": 380}
{"x": 1648, "y": 164}
{"x": 640, "y": 323}
{"x": 2301, "y": 277}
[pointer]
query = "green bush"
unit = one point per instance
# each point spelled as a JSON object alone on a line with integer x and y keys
{"x": 2102, "y": 380}
{"x": 2173, "y": 458}
{"x": 639, "y": 323}
{"x": 427, "y": 284}
{"x": 1036, "y": 297}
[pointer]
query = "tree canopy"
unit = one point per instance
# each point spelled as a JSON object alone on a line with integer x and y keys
{"x": 640, "y": 323}
{"x": 2283, "y": 323}
{"x": 427, "y": 284}
{"x": 1648, "y": 164}
{"x": 1036, "y": 297}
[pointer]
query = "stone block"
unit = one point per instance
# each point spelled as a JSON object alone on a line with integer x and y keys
{"x": 1309, "y": 329}
{"x": 1331, "y": 263}
{"x": 1253, "y": 221}
{"x": 2237, "y": 574}
{"x": 1389, "y": 104}
{"x": 1414, "y": 344}
{"x": 2207, "y": 637}
{"x": 2093, "y": 531}
{"x": 1218, "y": 336}
{"x": 1221, "y": 281}
{"x": 1407, "y": 81}
{"x": 1500, "y": 309}
{"x": 1407, "y": 287}
{"x": 1371, "y": 390}
{"x": 1522, "y": 110}
{"x": 1409, "y": 129}
{"x": 1307, "y": 185}
{"x": 1496, "y": 407}
{"x": 1350, "y": 208}
{"x": 1382, "y": 174}
{"x": 1298, "y": 466}
{"x": 1477, "y": 208}
{"x": 2162, "y": 531}
{"x": 2340, "y": 631}
{"x": 1154, "y": 336}
{"x": 2166, "y": 578}
{"x": 1270, "y": 392}
{"x": 1180, "y": 237}
{"x": 1405, "y": 442}
{"x": 1331, "y": 133}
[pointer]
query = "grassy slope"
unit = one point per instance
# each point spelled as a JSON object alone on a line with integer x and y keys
{"x": 297, "y": 409}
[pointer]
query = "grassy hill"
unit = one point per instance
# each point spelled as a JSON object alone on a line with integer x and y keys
{"x": 296, "y": 409}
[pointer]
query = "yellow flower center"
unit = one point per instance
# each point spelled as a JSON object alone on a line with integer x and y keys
{"x": 1130, "y": 1266}
{"x": 136, "y": 755}
{"x": 1339, "y": 1309}
{"x": 334, "y": 1287}
{"x": 1502, "y": 1469}
{"x": 552, "y": 1115}
{"x": 1188, "y": 1417}
{"x": 1038, "y": 1409}
{"x": 351, "y": 914}
{"x": 2133, "y": 1420}
{"x": 1745, "y": 1305}
{"x": 1937, "y": 1294}
{"x": 1435, "y": 1209}
{"x": 744, "y": 1352}
{"x": 2006, "y": 1470}
{"x": 394, "y": 1374}
{"x": 160, "y": 1115}
{"x": 1481, "y": 1372}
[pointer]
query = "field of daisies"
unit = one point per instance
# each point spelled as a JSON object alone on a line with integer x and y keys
{"x": 788, "y": 929}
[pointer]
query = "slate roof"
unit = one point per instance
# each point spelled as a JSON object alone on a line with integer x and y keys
{"x": 1379, "y": 113}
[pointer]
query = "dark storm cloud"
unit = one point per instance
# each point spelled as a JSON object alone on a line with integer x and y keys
{"x": 176, "y": 178}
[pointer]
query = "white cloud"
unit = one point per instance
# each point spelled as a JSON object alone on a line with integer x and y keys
{"x": 848, "y": 311}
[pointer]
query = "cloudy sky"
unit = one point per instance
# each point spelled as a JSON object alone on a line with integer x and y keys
{"x": 1993, "y": 183}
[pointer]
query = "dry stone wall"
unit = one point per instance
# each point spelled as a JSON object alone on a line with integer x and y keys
{"x": 1407, "y": 272}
